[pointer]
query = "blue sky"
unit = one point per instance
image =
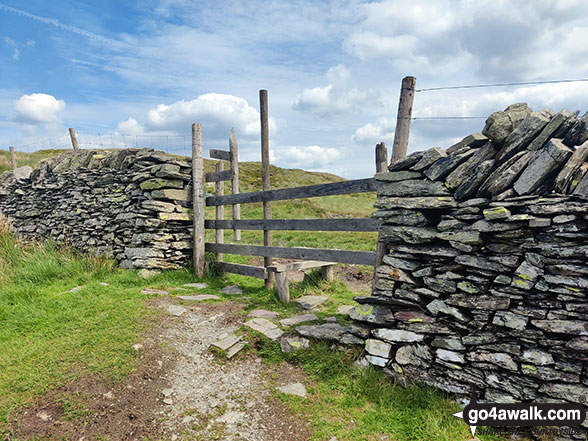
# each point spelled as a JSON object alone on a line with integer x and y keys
{"x": 332, "y": 69}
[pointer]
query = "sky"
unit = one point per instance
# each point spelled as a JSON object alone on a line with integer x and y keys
{"x": 148, "y": 69}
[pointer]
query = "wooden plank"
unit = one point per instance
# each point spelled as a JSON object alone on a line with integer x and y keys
{"x": 309, "y": 191}
{"x": 198, "y": 200}
{"x": 218, "y": 176}
{"x": 402, "y": 131}
{"x": 258, "y": 272}
{"x": 223, "y": 155}
{"x": 339, "y": 256}
{"x": 74, "y": 139}
{"x": 298, "y": 266}
{"x": 265, "y": 178}
{"x": 234, "y": 152}
{"x": 366, "y": 224}
{"x": 12, "y": 158}
{"x": 381, "y": 158}
{"x": 220, "y": 211}
{"x": 283, "y": 287}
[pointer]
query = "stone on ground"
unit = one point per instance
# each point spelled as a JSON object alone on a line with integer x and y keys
{"x": 263, "y": 313}
{"x": 328, "y": 331}
{"x": 310, "y": 302}
{"x": 196, "y": 285}
{"x": 297, "y": 319}
{"x": 75, "y": 289}
{"x": 104, "y": 284}
{"x": 267, "y": 328}
{"x": 176, "y": 310}
{"x": 235, "y": 349}
{"x": 233, "y": 290}
{"x": 293, "y": 389}
{"x": 291, "y": 344}
{"x": 147, "y": 274}
{"x": 200, "y": 297}
{"x": 227, "y": 342}
{"x": 155, "y": 291}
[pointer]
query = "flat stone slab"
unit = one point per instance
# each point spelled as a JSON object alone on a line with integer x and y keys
{"x": 328, "y": 331}
{"x": 104, "y": 284}
{"x": 267, "y": 328}
{"x": 234, "y": 350}
{"x": 196, "y": 285}
{"x": 344, "y": 309}
{"x": 200, "y": 297}
{"x": 263, "y": 313}
{"x": 297, "y": 389}
{"x": 75, "y": 289}
{"x": 176, "y": 310}
{"x": 297, "y": 319}
{"x": 311, "y": 302}
{"x": 155, "y": 291}
{"x": 227, "y": 342}
{"x": 233, "y": 290}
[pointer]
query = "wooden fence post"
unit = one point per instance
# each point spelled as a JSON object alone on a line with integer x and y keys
{"x": 265, "y": 179}
{"x": 234, "y": 152}
{"x": 402, "y": 131}
{"x": 74, "y": 139}
{"x": 198, "y": 199}
{"x": 220, "y": 210}
{"x": 13, "y": 158}
{"x": 381, "y": 158}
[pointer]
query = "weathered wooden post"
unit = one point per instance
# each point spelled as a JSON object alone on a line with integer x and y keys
{"x": 74, "y": 139}
{"x": 198, "y": 199}
{"x": 220, "y": 210}
{"x": 234, "y": 152}
{"x": 402, "y": 131}
{"x": 381, "y": 158}
{"x": 13, "y": 158}
{"x": 265, "y": 179}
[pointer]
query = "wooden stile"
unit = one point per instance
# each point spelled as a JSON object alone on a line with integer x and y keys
{"x": 218, "y": 176}
{"x": 381, "y": 158}
{"x": 234, "y": 159}
{"x": 220, "y": 154}
{"x": 366, "y": 224}
{"x": 265, "y": 177}
{"x": 198, "y": 200}
{"x": 220, "y": 211}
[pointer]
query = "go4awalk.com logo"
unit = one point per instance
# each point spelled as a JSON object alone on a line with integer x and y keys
{"x": 521, "y": 414}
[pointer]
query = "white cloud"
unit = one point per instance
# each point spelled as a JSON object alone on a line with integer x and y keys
{"x": 312, "y": 157}
{"x": 373, "y": 133}
{"x": 38, "y": 108}
{"x": 16, "y": 54}
{"x": 217, "y": 112}
{"x": 130, "y": 127}
{"x": 331, "y": 100}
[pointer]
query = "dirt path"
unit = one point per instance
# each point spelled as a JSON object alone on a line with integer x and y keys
{"x": 180, "y": 390}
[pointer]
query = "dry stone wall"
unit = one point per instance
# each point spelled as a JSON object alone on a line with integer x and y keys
{"x": 132, "y": 205}
{"x": 485, "y": 281}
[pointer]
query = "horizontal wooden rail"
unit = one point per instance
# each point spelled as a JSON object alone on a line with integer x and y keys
{"x": 245, "y": 270}
{"x": 310, "y": 191}
{"x": 340, "y": 256}
{"x": 223, "y": 155}
{"x": 295, "y": 224}
{"x": 219, "y": 176}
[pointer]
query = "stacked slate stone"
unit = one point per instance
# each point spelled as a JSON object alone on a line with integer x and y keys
{"x": 130, "y": 205}
{"x": 485, "y": 281}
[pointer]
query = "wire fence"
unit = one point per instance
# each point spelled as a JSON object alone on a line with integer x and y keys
{"x": 176, "y": 144}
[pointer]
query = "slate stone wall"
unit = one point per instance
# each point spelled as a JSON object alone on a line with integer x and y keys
{"x": 131, "y": 205}
{"x": 485, "y": 281}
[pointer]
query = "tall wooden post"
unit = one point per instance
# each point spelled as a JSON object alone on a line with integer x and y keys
{"x": 74, "y": 139}
{"x": 13, "y": 158}
{"x": 234, "y": 153}
{"x": 402, "y": 131}
{"x": 220, "y": 210}
{"x": 265, "y": 179}
{"x": 198, "y": 199}
{"x": 381, "y": 157}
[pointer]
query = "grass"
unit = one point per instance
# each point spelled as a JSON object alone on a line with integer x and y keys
{"x": 362, "y": 404}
